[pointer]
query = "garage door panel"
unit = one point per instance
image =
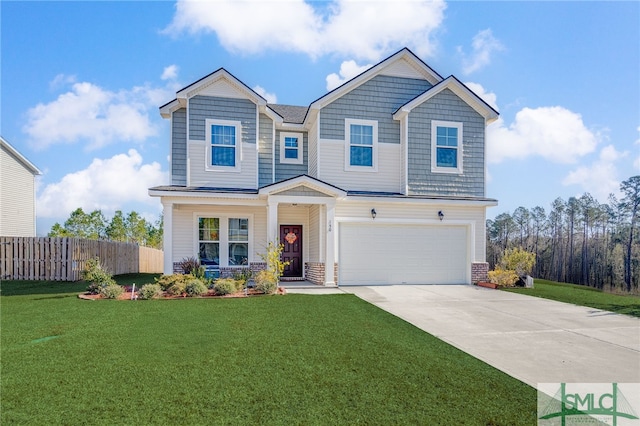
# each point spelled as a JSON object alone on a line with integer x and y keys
{"x": 402, "y": 254}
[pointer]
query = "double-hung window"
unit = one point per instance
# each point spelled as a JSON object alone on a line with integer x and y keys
{"x": 291, "y": 148}
{"x": 446, "y": 147}
{"x": 209, "y": 240}
{"x": 238, "y": 241}
{"x": 225, "y": 142}
{"x": 223, "y": 241}
{"x": 361, "y": 137}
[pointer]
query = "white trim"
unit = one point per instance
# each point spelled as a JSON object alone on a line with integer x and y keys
{"x": 224, "y": 235}
{"x": 300, "y": 148}
{"x": 238, "y": 145}
{"x": 459, "y": 148}
{"x": 348, "y": 167}
{"x": 405, "y": 142}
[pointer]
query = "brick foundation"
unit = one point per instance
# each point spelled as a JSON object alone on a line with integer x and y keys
{"x": 479, "y": 272}
{"x": 229, "y": 271}
{"x": 314, "y": 272}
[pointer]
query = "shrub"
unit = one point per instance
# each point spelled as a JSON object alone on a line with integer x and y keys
{"x": 189, "y": 265}
{"x": 150, "y": 291}
{"x": 518, "y": 260}
{"x": 266, "y": 282}
{"x": 166, "y": 281}
{"x": 97, "y": 275}
{"x": 178, "y": 288}
{"x": 503, "y": 277}
{"x": 242, "y": 276}
{"x": 195, "y": 287}
{"x": 227, "y": 286}
{"x": 111, "y": 291}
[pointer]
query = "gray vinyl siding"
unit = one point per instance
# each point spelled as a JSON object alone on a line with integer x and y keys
{"x": 265, "y": 154}
{"x": 446, "y": 106}
{"x": 377, "y": 99}
{"x": 204, "y": 107}
{"x": 286, "y": 171}
{"x": 179, "y": 147}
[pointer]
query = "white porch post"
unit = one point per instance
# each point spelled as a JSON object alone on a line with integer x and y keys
{"x": 330, "y": 246}
{"x": 272, "y": 221}
{"x": 167, "y": 239}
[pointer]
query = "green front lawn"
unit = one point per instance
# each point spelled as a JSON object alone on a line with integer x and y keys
{"x": 583, "y": 296}
{"x": 294, "y": 359}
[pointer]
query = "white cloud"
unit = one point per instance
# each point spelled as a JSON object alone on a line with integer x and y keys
{"x": 484, "y": 44}
{"x": 270, "y": 97}
{"x": 488, "y": 97}
{"x": 105, "y": 184}
{"x": 170, "y": 72}
{"x": 553, "y": 133}
{"x": 363, "y": 30}
{"x": 94, "y": 115}
{"x": 348, "y": 70}
{"x": 61, "y": 80}
{"x": 601, "y": 177}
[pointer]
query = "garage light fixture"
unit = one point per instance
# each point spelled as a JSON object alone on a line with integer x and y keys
{"x": 373, "y": 213}
{"x": 440, "y": 215}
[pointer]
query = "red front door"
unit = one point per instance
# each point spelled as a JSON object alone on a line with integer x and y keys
{"x": 291, "y": 238}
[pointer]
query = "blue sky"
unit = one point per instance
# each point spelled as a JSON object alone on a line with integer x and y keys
{"x": 82, "y": 83}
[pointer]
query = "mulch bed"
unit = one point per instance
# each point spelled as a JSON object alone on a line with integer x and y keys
{"x": 127, "y": 295}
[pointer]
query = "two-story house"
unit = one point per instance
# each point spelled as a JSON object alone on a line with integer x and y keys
{"x": 380, "y": 181}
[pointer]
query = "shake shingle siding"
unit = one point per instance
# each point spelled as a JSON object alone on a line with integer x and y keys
{"x": 265, "y": 154}
{"x": 179, "y": 147}
{"x": 446, "y": 106}
{"x": 286, "y": 171}
{"x": 202, "y": 108}
{"x": 377, "y": 99}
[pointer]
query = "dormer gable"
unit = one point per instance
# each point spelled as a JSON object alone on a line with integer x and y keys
{"x": 457, "y": 87}
{"x": 303, "y": 185}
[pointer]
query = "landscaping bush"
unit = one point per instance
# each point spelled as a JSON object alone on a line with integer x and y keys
{"x": 150, "y": 291}
{"x": 189, "y": 265}
{"x": 195, "y": 287}
{"x": 111, "y": 291}
{"x": 266, "y": 282}
{"x": 518, "y": 260}
{"x": 178, "y": 288}
{"x": 227, "y": 286}
{"x": 167, "y": 281}
{"x": 242, "y": 276}
{"x": 97, "y": 275}
{"x": 503, "y": 277}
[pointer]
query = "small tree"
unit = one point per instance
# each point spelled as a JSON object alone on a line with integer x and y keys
{"x": 268, "y": 279}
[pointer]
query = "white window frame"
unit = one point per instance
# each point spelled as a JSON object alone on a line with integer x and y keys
{"x": 300, "y": 137}
{"x": 347, "y": 145}
{"x": 238, "y": 146}
{"x": 223, "y": 237}
{"x": 434, "y": 148}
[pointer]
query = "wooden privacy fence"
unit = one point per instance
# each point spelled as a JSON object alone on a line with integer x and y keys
{"x": 64, "y": 259}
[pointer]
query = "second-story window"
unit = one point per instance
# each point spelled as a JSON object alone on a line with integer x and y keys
{"x": 291, "y": 148}
{"x": 225, "y": 142}
{"x": 361, "y": 144}
{"x": 446, "y": 147}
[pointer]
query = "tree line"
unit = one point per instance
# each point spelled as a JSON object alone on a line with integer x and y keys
{"x": 129, "y": 228}
{"x": 579, "y": 241}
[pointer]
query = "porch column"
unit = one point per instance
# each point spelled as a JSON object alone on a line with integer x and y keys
{"x": 167, "y": 239}
{"x": 273, "y": 234}
{"x": 330, "y": 246}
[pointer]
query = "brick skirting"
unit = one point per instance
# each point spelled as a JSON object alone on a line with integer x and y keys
{"x": 479, "y": 272}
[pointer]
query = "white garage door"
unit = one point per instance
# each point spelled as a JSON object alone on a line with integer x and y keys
{"x": 403, "y": 254}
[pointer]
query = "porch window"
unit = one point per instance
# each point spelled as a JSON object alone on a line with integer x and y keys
{"x": 209, "y": 240}
{"x": 238, "y": 241}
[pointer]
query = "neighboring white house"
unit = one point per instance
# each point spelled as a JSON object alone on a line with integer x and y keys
{"x": 17, "y": 193}
{"x": 380, "y": 181}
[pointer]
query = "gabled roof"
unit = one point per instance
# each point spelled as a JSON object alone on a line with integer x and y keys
{"x": 303, "y": 180}
{"x": 21, "y": 158}
{"x": 220, "y": 74}
{"x": 290, "y": 113}
{"x": 457, "y": 87}
{"x": 403, "y": 55}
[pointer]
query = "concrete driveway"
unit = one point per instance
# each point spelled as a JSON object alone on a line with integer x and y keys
{"x": 532, "y": 339}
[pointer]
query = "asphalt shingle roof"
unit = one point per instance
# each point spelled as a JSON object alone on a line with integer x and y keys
{"x": 290, "y": 113}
